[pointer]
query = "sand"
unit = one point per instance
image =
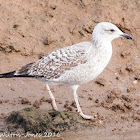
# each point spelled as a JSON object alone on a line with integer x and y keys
{"x": 32, "y": 29}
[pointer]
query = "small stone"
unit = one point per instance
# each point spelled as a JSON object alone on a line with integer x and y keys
{"x": 15, "y": 26}
{"x": 25, "y": 101}
{"x": 43, "y": 99}
{"x": 88, "y": 29}
{"x": 129, "y": 68}
{"x": 81, "y": 96}
{"x": 66, "y": 104}
{"x": 138, "y": 112}
{"x": 100, "y": 121}
{"x": 6, "y": 101}
{"x": 96, "y": 101}
{"x": 2, "y": 49}
{"x": 47, "y": 41}
{"x": 12, "y": 89}
{"x": 69, "y": 108}
{"x": 48, "y": 100}
{"x": 95, "y": 116}
{"x": 130, "y": 89}
{"x": 117, "y": 78}
{"x": 37, "y": 104}
{"x": 124, "y": 54}
{"x": 59, "y": 102}
{"x": 90, "y": 98}
{"x": 117, "y": 107}
{"x": 10, "y": 49}
{"x": 136, "y": 117}
{"x": 126, "y": 98}
{"x": 73, "y": 104}
{"x": 100, "y": 82}
{"x": 128, "y": 106}
{"x": 121, "y": 73}
{"x": 135, "y": 82}
{"x": 116, "y": 92}
{"x": 53, "y": 7}
{"x": 137, "y": 77}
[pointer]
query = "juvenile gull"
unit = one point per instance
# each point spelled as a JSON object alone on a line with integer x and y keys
{"x": 74, "y": 65}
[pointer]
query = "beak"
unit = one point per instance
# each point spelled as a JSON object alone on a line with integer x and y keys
{"x": 126, "y": 36}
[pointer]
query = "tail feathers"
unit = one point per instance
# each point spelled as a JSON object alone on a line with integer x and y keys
{"x": 7, "y": 75}
{"x": 22, "y": 72}
{"x": 12, "y": 74}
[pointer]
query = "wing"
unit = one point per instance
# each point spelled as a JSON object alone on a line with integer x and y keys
{"x": 56, "y": 63}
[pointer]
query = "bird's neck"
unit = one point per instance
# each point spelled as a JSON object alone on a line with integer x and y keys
{"x": 98, "y": 40}
{"x": 101, "y": 43}
{"x": 102, "y": 50}
{"x": 102, "y": 47}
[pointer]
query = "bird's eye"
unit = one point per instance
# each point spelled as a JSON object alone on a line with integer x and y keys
{"x": 112, "y": 30}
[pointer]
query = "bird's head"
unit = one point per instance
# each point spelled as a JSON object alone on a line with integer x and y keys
{"x": 107, "y": 32}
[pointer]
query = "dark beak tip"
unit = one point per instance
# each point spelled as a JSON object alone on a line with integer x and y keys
{"x": 127, "y": 36}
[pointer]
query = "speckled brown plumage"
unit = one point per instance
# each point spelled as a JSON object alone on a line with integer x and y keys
{"x": 55, "y": 64}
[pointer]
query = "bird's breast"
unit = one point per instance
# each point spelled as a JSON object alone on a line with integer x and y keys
{"x": 84, "y": 73}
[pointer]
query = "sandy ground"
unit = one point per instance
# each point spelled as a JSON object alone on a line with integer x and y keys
{"x": 31, "y": 29}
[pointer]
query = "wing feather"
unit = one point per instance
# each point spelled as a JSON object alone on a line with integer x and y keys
{"x": 56, "y": 63}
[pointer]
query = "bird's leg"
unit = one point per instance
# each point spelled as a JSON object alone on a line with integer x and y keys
{"x": 78, "y": 105}
{"x": 53, "y": 103}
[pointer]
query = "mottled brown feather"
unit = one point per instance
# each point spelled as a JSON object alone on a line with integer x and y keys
{"x": 24, "y": 70}
{"x": 55, "y": 64}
